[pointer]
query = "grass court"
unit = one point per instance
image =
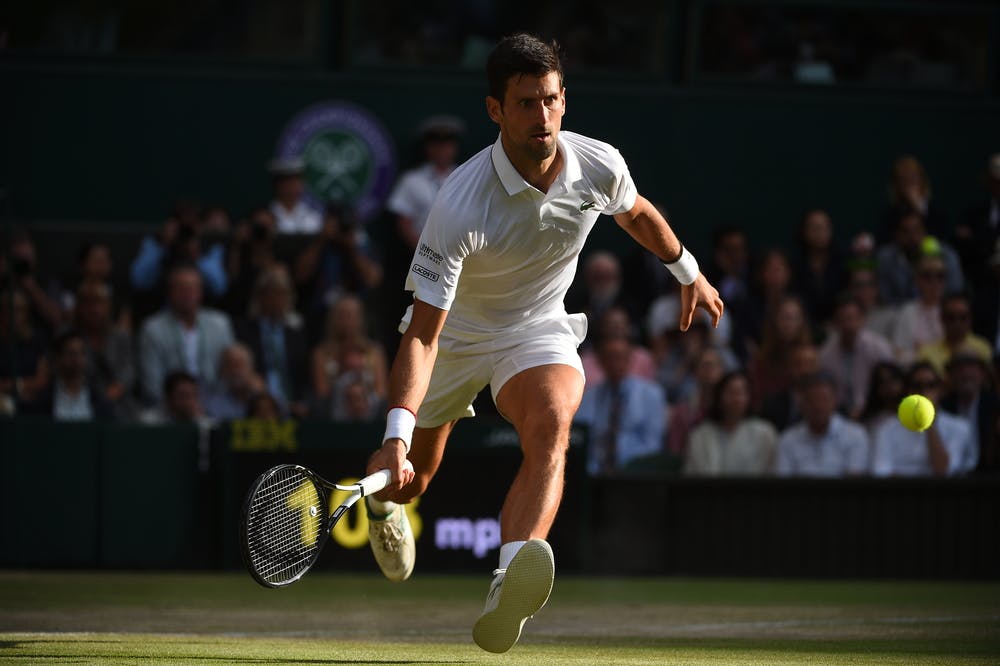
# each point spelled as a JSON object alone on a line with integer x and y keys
{"x": 182, "y": 618}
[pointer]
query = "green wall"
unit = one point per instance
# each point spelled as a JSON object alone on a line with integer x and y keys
{"x": 116, "y": 143}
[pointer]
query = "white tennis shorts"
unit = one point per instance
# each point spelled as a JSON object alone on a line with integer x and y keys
{"x": 462, "y": 369}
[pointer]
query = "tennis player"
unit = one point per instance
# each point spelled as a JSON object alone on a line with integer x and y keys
{"x": 494, "y": 261}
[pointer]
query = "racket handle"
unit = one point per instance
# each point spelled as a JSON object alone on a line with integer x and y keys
{"x": 379, "y": 480}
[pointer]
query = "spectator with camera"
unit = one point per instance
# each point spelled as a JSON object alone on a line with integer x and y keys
{"x": 24, "y": 368}
{"x": 180, "y": 242}
{"x": 340, "y": 260}
{"x": 22, "y": 273}
{"x": 110, "y": 358}
{"x": 70, "y": 396}
{"x": 95, "y": 264}
{"x": 250, "y": 253}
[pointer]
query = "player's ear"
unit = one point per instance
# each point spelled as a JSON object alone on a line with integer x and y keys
{"x": 493, "y": 109}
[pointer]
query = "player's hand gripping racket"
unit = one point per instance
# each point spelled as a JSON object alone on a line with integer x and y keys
{"x": 285, "y": 521}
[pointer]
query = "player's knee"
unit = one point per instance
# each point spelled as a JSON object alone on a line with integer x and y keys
{"x": 549, "y": 424}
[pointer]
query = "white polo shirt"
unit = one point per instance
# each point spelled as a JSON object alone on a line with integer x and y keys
{"x": 500, "y": 254}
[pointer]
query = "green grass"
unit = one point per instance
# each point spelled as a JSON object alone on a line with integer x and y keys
{"x": 120, "y": 618}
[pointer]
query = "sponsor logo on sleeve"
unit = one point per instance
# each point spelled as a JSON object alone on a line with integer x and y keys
{"x": 425, "y": 252}
{"x": 425, "y": 273}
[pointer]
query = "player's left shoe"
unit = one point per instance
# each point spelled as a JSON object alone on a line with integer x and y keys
{"x": 516, "y": 594}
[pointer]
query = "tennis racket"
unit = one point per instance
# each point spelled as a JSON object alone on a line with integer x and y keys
{"x": 285, "y": 523}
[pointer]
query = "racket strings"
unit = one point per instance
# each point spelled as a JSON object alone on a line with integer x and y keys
{"x": 285, "y": 521}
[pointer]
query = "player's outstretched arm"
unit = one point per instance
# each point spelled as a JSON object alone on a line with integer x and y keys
{"x": 651, "y": 230}
{"x": 408, "y": 381}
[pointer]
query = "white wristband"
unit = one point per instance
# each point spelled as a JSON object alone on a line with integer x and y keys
{"x": 685, "y": 269}
{"x": 399, "y": 424}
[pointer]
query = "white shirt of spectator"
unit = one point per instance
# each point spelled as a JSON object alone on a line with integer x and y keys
{"x": 303, "y": 219}
{"x": 902, "y": 452}
{"x": 841, "y": 450}
{"x": 190, "y": 340}
{"x": 500, "y": 254}
{"x": 414, "y": 194}
{"x": 67, "y": 407}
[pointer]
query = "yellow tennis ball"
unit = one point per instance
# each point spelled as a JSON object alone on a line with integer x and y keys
{"x": 930, "y": 246}
{"x": 916, "y": 413}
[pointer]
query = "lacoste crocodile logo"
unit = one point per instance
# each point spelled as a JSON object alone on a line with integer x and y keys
{"x": 586, "y": 205}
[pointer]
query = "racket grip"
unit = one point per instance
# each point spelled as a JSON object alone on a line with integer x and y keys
{"x": 379, "y": 480}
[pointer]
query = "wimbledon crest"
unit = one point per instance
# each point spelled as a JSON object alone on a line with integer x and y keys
{"x": 349, "y": 155}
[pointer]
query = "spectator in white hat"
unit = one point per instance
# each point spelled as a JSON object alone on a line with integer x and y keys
{"x": 413, "y": 195}
{"x": 293, "y": 213}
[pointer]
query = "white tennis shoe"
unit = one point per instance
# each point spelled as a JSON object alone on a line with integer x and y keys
{"x": 516, "y": 594}
{"x": 392, "y": 543}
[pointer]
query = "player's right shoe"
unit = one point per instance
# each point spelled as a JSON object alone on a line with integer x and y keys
{"x": 392, "y": 543}
{"x": 516, "y": 594}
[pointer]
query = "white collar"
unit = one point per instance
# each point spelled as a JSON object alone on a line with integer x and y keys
{"x": 514, "y": 183}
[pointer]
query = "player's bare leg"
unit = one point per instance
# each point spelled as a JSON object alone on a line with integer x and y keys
{"x": 389, "y": 530}
{"x": 541, "y": 403}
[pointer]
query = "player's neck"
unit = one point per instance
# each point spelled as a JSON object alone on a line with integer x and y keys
{"x": 539, "y": 175}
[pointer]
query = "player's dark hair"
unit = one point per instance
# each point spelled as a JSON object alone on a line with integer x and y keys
{"x": 519, "y": 54}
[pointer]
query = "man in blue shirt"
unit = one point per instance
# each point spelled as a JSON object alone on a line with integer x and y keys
{"x": 627, "y": 415}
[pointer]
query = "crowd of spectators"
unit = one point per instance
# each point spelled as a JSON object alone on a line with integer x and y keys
{"x": 820, "y": 342}
{"x": 220, "y": 320}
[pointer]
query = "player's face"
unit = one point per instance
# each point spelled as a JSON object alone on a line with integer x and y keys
{"x": 530, "y": 115}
